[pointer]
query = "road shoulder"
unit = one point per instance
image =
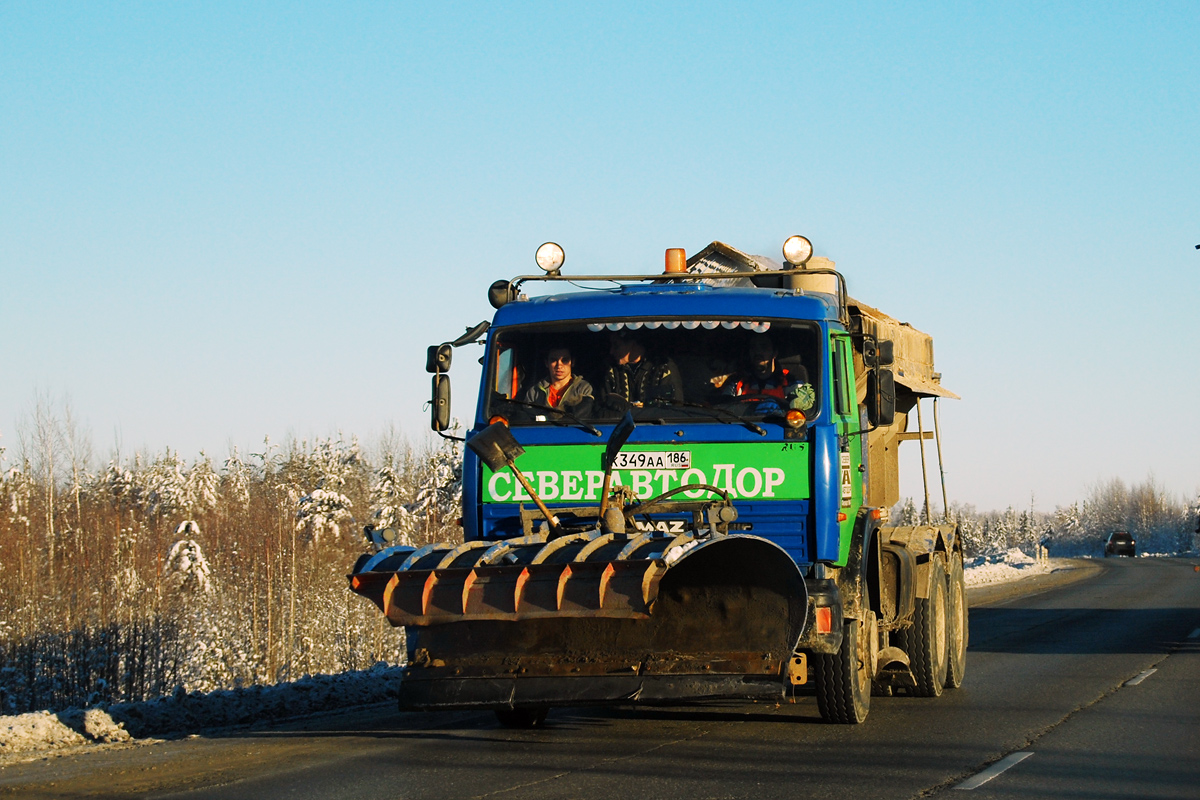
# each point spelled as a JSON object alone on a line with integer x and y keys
{"x": 1065, "y": 571}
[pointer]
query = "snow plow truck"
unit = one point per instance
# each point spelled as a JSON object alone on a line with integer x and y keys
{"x": 709, "y": 521}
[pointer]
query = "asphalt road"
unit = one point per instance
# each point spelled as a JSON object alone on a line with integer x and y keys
{"x": 1052, "y": 673}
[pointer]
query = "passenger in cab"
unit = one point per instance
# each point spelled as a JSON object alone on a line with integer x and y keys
{"x": 562, "y": 388}
{"x": 766, "y": 376}
{"x": 636, "y": 379}
{"x": 707, "y": 378}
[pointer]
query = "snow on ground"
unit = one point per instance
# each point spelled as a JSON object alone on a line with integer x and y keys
{"x": 1010, "y": 566}
{"x": 185, "y": 712}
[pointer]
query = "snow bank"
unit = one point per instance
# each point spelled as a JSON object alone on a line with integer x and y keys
{"x": 185, "y": 712}
{"x": 96, "y": 724}
{"x": 36, "y": 731}
{"x": 1010, "y": 566}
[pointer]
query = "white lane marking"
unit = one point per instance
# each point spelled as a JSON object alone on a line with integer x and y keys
{"x": 979, "y": 779}
{"x": 1194, "y": 634}
{"x": 1141, "y": 676}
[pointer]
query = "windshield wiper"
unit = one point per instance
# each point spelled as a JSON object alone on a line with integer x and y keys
{"x": 716, "y": 413}
{"x": 570, "y": 418}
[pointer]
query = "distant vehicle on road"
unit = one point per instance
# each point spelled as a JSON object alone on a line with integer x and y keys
{"x": 1120, "y": 543}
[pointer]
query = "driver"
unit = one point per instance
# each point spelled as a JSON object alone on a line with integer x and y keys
{"x": 562, "y": 388}
{"x": 766, "y": 376}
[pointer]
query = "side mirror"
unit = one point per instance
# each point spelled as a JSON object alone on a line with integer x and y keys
{"x": 439, "y": 411}
{"x": 438, "y": 358}
{"x": 878, "y": 353}
{"x": 881, "y": 397}
{"x": 887, "y": 355}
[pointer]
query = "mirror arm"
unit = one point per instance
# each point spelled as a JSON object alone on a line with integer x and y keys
{"x": 472, "y": 334}
{"x": 860, "y": 433}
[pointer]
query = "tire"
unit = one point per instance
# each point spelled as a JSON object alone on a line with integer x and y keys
{"x": 522, "y": 717}
{"x": 844, "y": 678}
{"x": 956, "y": 623}
{"x": 925, "y": 640}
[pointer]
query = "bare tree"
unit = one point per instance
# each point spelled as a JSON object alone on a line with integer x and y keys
{"x": 41, "y": 440}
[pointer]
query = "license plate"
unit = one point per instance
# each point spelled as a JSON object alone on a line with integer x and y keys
{"x": 654, "y": 459}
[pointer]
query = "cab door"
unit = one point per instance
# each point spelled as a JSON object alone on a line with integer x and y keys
{"x": 850, "y": 446}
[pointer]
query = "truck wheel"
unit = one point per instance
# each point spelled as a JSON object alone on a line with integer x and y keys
{"x": 956, "y": 664}
{"x": 844, "y": 679}
{"x": 522, "y": 717}
{"x": 925, "y": 640}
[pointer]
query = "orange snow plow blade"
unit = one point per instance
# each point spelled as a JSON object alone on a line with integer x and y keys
{"x": 588, "y": 617}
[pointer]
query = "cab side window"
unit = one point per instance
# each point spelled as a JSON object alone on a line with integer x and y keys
{"x": 841, "y": 380}
{"x": 506, "y": 374}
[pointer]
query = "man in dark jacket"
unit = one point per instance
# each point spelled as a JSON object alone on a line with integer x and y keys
{"x": 635, "y": 379}
{"x": 562, "y": 388}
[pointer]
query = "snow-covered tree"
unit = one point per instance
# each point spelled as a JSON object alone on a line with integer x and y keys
{"x": 162, "y": 487}
{"x": 186, "y": 571}
{"x": 327, "y": 468}
{"x": 118, "y": 485}
{"x": 200, "y": 487}
{"x": 322, "y": 510}
{"x": 236, "y": 480}
{"x": 18, "y": 491}
{"x": 439, "y": 487}
{"x": 905, "y": 513}
{"x": 388, "y": 502}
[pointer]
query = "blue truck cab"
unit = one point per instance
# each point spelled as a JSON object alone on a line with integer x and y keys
{"x": 799, "y": 485}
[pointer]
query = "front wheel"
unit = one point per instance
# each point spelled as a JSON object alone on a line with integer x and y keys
{"x": 522, "y": 717}
{"x": 844, "y": 678}
{"x": 925, "y": 640}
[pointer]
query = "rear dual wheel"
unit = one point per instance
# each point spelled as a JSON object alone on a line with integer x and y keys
{"x": 956, "y": 663}
{"x": 927, "y": 640}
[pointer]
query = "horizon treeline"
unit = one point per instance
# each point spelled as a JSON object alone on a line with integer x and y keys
{"x": 1160, "y": 522}
{"x": 154, "y": 574}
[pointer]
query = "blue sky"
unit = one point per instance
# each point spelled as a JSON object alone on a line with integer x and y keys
{"x": 220, "y": 223}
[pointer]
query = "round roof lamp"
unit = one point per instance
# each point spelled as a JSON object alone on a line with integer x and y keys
{"x": 797, "y": 251}
{"x": 550, "y": 258}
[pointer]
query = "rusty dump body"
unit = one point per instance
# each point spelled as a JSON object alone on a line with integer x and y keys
{"x": 590, "y": 617}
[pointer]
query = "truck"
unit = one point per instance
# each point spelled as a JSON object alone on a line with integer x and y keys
{"x": 723, "y": 534}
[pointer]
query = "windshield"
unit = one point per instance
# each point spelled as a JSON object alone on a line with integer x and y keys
{"x": 662, "y": 370}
